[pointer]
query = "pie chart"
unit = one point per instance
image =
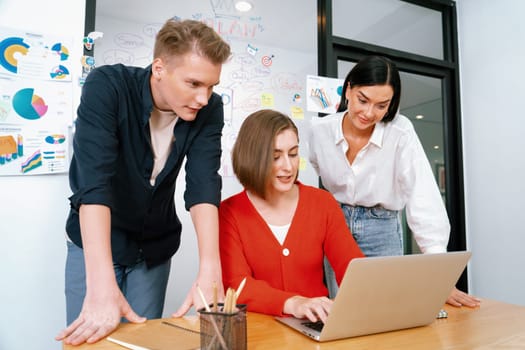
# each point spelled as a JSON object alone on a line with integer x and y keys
{"x": 10, "y": 48}
{"x": 55, "y": 139}
{"x": 61, "y": 50}
{"x": 28, "y": 105}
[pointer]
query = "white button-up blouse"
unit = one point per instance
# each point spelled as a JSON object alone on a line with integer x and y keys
{"x": 391, "y": 170}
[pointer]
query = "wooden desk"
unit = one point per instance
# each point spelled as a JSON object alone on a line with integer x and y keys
{"x": 493, "y": 325}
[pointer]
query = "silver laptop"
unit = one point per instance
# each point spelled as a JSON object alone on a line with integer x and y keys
{"x": 380, "y": 294}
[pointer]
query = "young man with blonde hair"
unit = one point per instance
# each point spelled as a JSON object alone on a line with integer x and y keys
{"x": 135, "y": 127}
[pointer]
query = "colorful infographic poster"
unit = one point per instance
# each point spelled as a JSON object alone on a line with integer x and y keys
{"x": 35, "y": 103}
{"x": 323, "y": 94}
{"x": 34, "y": 56}
{"x": 28, "y": 151}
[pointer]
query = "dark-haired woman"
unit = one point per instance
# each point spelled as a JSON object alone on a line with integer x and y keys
{"x": 371, "y": 159}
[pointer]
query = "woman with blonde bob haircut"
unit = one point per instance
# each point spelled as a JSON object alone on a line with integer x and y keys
{"x": 276, "y": 232}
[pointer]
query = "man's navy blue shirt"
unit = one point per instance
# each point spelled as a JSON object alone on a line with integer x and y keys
{"x": 113, "y": 161}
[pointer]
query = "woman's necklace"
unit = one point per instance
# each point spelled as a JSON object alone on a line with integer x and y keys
{"x": 278, "y": 210}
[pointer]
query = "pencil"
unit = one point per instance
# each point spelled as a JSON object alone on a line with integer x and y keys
{"x": 215, "y": 305}
{"x": 228, "y": 304}
{"x": 239, "y": 289}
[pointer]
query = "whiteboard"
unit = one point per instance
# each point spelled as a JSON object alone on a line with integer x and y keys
{"x": 257, "y": 75}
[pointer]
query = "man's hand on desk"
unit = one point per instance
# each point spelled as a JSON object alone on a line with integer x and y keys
{"x": 459, "y": 298}
{"x": 210, "y": 290}
{"x": 100, "y": 315}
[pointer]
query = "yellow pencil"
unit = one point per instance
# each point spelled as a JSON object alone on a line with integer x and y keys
{"x": 215, "y": 306}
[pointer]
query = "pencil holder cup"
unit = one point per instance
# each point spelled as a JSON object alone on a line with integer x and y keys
{"x": 223, "y": 331}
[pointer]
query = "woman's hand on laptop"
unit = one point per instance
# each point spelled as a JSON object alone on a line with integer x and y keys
{"x": 315, "y": 309}
{"x": 459, "y": 298}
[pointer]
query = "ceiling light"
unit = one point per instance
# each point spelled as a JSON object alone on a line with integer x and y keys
{"x": 419, "y": 116}
{"x": 436, "y": 147}
{"x": 243, "y": 6}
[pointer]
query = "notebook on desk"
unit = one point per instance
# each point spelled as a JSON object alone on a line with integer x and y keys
{"x": 380, "y": 294}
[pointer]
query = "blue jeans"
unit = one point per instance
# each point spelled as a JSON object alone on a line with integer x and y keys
{"x": 377, "y": 231}
{"x": 143, "y": 288}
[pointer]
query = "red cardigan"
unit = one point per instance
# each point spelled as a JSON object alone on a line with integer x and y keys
{"x": 273, "y": 272}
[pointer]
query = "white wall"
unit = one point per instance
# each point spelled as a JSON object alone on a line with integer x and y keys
{"x": 492, "y": 56}
{"x": 33, "y": 210}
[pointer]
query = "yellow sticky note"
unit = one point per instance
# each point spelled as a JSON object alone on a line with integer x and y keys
{"x": 297, "y": 112}
{"x": 267, "y": 100}
{"x": 302, "y": 163}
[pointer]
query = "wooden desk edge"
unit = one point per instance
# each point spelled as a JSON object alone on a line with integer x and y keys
{"x": 505, "y": 314}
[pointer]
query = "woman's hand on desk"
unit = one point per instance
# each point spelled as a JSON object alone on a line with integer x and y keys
{"x": 101, "y": 314}
{"x": 459, "y": 298}
{"x": 314, "y": 309}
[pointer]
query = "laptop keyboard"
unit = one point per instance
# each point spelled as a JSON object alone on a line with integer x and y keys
{"x": 318, "y": 325}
